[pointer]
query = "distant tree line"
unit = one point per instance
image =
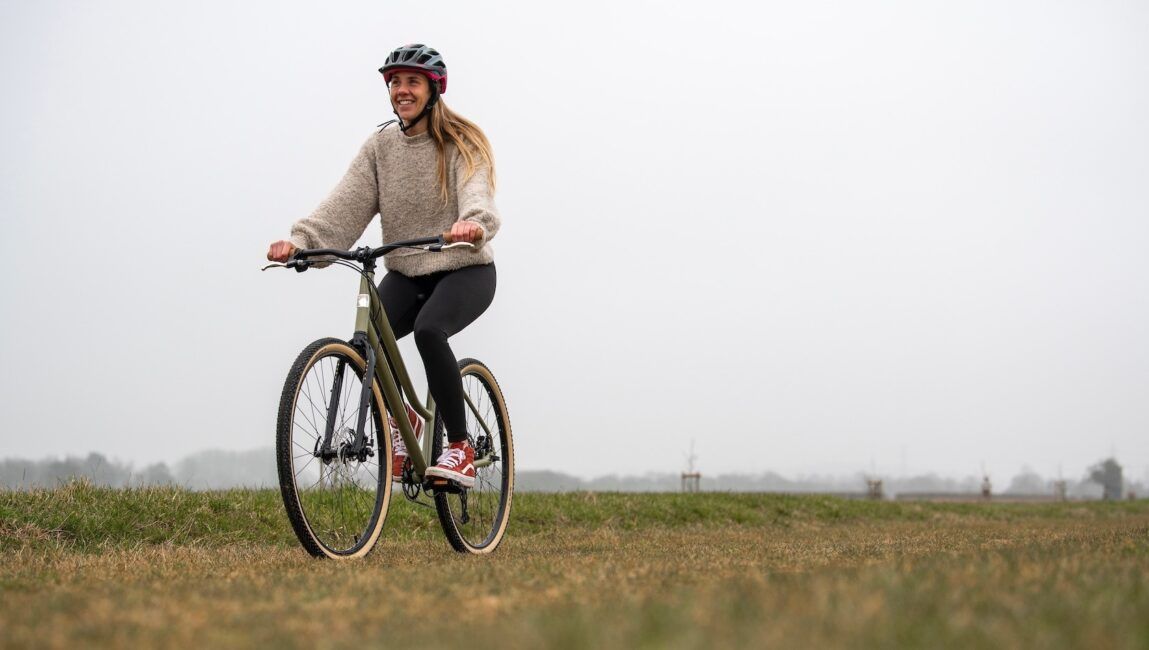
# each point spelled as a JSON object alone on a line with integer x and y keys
{"x": 1107, "y": 474}
{"x": 1103, "y": 481}
{"x": 210, "y": 470}
{"x": 203, "y": 471}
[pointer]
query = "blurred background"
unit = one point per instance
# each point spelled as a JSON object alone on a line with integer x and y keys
{"x": 813, "y": 240}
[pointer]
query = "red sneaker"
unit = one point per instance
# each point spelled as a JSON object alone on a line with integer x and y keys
{"x": 457, "y": 463}
{"x": 398, "y": 447}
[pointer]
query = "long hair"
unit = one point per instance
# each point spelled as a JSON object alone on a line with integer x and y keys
{"x": 447, "y": 126}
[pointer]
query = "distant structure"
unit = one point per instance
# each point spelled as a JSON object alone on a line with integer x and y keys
{"x": 874, "y": 489}
{"x": 986, "y": 487}
{"x": 691, "y": 478}
{"x": 1060, "y": 490}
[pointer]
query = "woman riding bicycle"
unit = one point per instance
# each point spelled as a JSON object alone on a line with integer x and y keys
{"x": 433, "y": 173}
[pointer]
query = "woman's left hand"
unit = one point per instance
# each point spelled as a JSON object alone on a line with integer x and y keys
{"x": 466, "y": 231}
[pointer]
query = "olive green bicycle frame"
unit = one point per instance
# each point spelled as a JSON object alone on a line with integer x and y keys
{"x": 371, "y": 320}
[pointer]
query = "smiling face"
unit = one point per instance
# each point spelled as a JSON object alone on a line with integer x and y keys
{"x": 409, "y": 94}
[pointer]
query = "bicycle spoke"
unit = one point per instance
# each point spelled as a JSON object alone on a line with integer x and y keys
{"x": 306, "y": 392}
{"x": 310, "y": 459}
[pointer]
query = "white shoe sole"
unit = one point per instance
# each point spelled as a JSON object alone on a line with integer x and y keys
{"x": 465, "y": 481}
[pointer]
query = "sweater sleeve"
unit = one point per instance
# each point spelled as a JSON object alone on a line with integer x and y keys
{"x": 342, "y": 217}
{"x": 476, "y": 199}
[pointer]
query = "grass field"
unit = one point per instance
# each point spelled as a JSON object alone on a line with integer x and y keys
{"x": 93, "y": 567}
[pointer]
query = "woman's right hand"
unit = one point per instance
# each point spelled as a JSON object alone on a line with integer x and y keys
{"x": 281, "y": 251}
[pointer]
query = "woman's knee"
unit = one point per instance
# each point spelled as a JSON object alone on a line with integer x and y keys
{"x": 429, "y": 337}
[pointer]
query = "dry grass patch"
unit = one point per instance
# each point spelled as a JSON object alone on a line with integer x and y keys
{"x": 1057, "y": 583}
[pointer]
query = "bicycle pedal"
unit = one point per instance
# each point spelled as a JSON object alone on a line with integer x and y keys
{"x": 446, "y": 486}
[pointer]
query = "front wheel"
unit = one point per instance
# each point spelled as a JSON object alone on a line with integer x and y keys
{"x": 475, "y": 520}
{"x": 336, "y": 488}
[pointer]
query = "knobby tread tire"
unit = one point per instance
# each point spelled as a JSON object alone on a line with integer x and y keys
{"x": 284, "y": 453}
{"x": 443, "y": 501}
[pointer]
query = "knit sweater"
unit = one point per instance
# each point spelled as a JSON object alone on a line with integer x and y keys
{"x": 397, "y": 177}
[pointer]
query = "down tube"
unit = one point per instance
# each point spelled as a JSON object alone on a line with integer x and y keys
{"x": 395, "y": 403}
{"x": 387, "y": 357}
{"x": 384, "y": 337}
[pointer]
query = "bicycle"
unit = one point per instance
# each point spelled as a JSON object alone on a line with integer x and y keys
{"x": 333, "y": 448}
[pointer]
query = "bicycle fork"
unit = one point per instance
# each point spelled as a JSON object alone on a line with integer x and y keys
{"x": 358, "y": 448}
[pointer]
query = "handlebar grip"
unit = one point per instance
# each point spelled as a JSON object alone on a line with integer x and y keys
{"x": 448, "y": 239}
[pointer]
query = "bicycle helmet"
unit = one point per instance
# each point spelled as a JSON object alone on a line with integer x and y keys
{"x": 417, "y": 58}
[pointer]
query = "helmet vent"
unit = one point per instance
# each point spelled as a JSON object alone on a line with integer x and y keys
{"x": 417, "y": 58}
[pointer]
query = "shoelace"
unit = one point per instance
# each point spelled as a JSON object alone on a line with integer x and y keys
{"x": 451, "y": 457}
{"x": 397, "y": 445}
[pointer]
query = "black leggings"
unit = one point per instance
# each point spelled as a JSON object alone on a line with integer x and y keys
{"x": 435, "y": 307}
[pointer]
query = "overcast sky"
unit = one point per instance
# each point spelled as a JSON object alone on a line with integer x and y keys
{"x": 825, "y": 237}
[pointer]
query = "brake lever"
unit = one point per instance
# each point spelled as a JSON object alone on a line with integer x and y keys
{"x": 299, "y": 265}
{"x": 435, "y": 248}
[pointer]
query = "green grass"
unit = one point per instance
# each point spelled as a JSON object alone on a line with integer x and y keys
{"x": 86, "y": 566}
{"x": 80, "y": 516}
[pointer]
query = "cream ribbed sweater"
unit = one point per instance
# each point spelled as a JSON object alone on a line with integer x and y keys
{"x": 397, "y": 177}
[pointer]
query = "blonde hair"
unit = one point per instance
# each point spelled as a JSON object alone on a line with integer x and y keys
{"x": 447, "y": 126}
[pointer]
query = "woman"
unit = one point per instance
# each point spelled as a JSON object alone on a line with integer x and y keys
{"x": 432, "y": 174}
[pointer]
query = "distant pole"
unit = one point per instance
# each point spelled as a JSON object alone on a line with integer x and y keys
{"x": 1060, "y": 487}
{"x": 874, "y": 489}
{"x": 691, "y": 478}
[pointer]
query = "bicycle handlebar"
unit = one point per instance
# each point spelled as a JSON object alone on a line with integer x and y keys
{"x": 300, "y": 259}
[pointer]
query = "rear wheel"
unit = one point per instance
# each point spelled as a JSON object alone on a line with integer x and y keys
{"x": 336, "y": 493}
{"x": 475, "y": 519}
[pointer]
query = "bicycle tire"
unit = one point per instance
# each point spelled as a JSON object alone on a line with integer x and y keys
{"x": 340, "y": 513}
{"x": 489, "y": 502}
